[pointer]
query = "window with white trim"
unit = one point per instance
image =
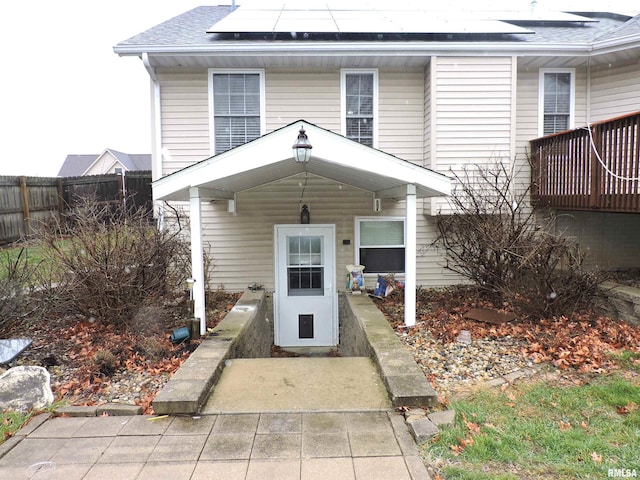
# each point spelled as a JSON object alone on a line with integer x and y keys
{"x": 556, "y": 100}
{"x": 359, "y": 105}
{"x": 237, "y": 103}
{"x": 380, "y": 244}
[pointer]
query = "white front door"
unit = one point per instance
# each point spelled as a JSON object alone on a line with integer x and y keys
{"x": 305, "y": 299}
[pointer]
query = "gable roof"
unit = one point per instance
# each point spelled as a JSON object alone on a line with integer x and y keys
{"x": 77, "y": 165}
{"x": 183, "y": 41}
{"x": 333, "y": 156}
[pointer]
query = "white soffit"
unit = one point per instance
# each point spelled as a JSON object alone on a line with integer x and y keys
{"x": 349, "y": 18}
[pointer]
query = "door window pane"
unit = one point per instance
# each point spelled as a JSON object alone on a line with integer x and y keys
{"x": 305, "y": 271}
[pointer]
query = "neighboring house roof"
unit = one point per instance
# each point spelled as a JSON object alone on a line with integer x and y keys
{"x": 77, "y": 165}
{"x": 333, "y": 156}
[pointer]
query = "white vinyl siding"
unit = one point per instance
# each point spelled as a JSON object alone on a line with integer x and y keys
{"x": 241, "y": 244}
{"x": 184, "y": 133}
{"x": 401, "y": 113}
{"x": 427, "y": 117}
{"x": 311, "y": 94}
{"x": 557, "y": 100}
{"x": 527, "y": 112}
{"x": 472, "y": 114}
{"x": 615, "y": 91}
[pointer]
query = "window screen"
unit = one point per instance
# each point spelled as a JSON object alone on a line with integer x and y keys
{"x": 382, "y": 247}
{"x": 557, "y": 102}
{"x": 359, "y": 107}
{"x": 236, "y": 109}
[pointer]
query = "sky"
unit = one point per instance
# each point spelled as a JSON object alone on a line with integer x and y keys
{"x": 64, "y": 91}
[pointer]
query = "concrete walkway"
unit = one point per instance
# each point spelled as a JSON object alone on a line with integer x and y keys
{"x": 285, "y": 385}
{"x": 330, "y": 445}
{"x": 272, "y": 418}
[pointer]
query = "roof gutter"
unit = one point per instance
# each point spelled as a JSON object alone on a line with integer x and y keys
{"x": 616, "y": 44}
{"x": 357, "y": 49}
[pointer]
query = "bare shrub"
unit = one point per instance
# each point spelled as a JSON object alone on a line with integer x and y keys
{"x": 496, "y": 240}
{"x": 111, "y": 261}
{"x": 155, "y": 349}
{"x": 16, "y": 275}
{"x": 105, "y": 362}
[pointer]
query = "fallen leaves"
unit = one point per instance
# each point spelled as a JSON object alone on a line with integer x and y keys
{"x": 627, "y": 409}
{"x": 583, "y": 342}
{"x": 564, "y": 426}
{"x": 472, "y": 430}
{"x": 73, "y": 342}
{"x": 596, "y": 457}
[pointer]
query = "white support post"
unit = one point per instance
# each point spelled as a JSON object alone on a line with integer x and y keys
{"x": 410, "y": 262}
{"x": 197, "y": 260}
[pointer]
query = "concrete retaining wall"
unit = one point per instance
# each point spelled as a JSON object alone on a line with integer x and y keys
{"x": 245, "y": 332}
{"x": 364, "y": 331}
{"x": 620, "y": 302}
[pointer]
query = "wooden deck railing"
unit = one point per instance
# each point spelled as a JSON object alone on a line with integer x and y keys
{"x": 590, "y": 168}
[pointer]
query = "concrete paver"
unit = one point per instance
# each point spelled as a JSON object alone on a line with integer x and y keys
{"x": 295, "y": 418}
{"x": 300, "y": 446}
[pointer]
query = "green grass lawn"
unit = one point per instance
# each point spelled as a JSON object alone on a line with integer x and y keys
{"x": 36, "y": 256}
{"x": 543, "y": 430}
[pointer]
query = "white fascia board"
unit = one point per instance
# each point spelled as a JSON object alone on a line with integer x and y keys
{"x": 616, "y": 44}
{"x": 339, "y": 151}
{"x": 238, "y": 160}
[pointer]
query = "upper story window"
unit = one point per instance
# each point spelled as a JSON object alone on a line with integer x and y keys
{"x": 237, "y": 103}
{"x": 360, "y": 105}
{"x": 380, "y": 244}
{"x": 556, "y": 100}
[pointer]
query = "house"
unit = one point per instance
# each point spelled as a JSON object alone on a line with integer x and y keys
{"x": 389, "y": 100}
{"x": 109, "y": 161}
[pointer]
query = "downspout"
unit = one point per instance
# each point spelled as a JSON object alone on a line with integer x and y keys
{"x": 156, "y": 131}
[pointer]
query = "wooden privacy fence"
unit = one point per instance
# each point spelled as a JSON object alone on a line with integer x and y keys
{"x": 595, "y": 168}
{"x": 29, "y": 202}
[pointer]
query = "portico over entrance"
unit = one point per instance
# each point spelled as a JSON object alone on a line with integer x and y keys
{"x": 268, "y": 160}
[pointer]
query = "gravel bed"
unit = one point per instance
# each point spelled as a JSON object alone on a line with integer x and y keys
{"x": 453, "y": 367}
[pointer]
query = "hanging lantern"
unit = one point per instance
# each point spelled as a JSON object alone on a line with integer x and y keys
{"x": 305, "y": 216}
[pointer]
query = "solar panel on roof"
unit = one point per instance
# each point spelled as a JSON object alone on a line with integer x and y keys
{"x": 319, "y": 17}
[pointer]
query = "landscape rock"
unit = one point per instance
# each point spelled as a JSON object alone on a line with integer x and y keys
{"x": 423, "y": 429}
{"x": 25, "y": 388}
{"x": 445, "y": 418}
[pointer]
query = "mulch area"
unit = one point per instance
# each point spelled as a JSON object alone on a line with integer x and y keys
{"x": 93, "y": 362}
{"x": 582, "y": 343}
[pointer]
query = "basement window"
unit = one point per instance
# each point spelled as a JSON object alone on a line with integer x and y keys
{"x": 380, "y": 244}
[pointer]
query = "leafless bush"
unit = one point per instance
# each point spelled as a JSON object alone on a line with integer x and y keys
{"x": 496, "y": 240}
{"x": 111, "y": 261}
{"x": 15, "y": 279}
{"x": 105, "y": 362}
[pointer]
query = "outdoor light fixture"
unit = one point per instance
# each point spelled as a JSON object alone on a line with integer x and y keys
{"x": 302, "y": 148}
{"x": 305, "y": 216}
